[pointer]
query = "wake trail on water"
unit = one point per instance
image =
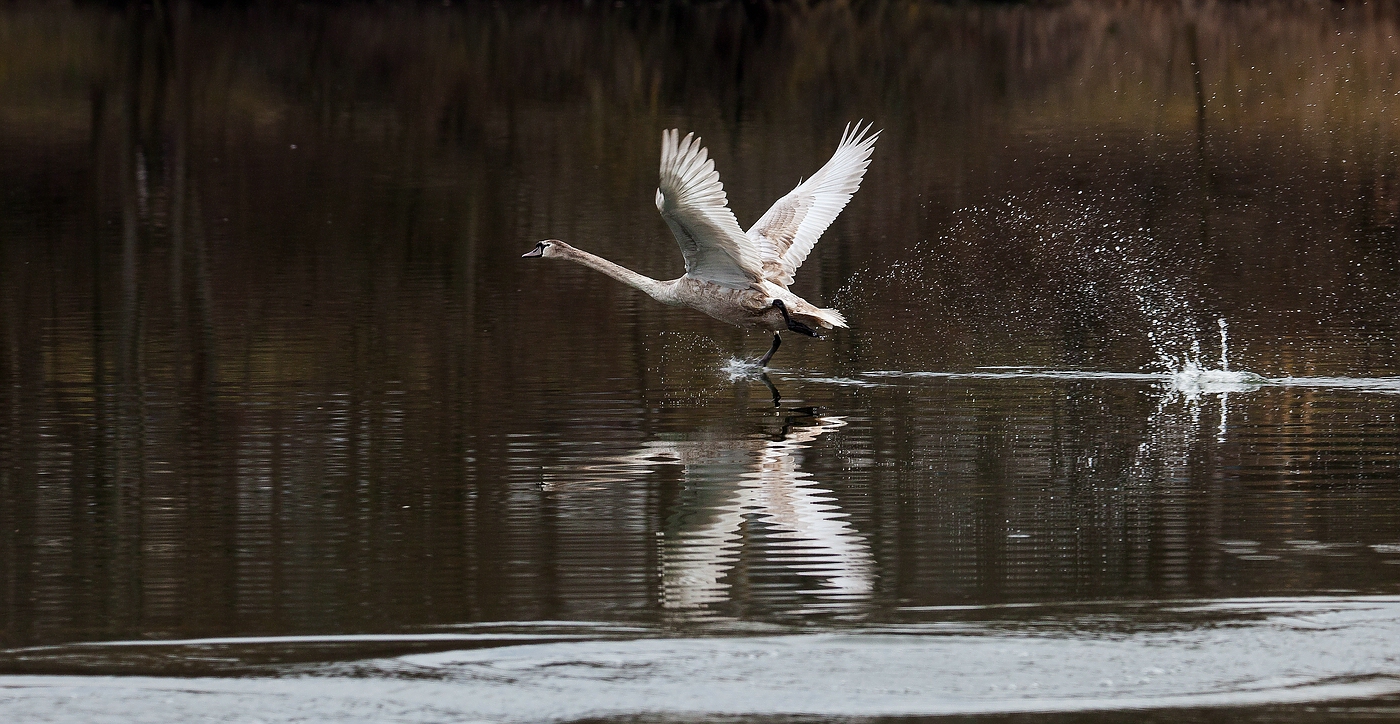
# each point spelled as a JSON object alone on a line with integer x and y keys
{"x": 1186, "y": 381}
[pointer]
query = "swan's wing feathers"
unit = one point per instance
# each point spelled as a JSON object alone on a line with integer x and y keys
{"x": 692, "y": 201}
{"x": 786, "y": 234}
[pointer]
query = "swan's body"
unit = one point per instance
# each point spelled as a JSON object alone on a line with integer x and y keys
{"x": 738, "y": 277}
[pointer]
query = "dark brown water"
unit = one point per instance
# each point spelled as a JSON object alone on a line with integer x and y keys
{"x": 282, "y": 409}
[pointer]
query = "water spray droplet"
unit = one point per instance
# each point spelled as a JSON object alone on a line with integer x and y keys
{"x": 1224, "y": 346}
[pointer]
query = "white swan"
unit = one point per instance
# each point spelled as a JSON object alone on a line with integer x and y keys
{"x": 736, "y": 277}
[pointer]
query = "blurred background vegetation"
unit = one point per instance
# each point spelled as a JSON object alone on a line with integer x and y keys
{"x": 174, "y": 123}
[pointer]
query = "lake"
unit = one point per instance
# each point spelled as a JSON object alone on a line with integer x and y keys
{"x": 290, "y": 432}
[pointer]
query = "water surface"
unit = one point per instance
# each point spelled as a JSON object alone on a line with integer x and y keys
{"x": 289, "y": 431}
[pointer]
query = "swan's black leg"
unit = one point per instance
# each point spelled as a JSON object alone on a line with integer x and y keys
{"x": 776, "y": 397}
{"x": 771, "y": 351}
{"x": 793, "y": 324}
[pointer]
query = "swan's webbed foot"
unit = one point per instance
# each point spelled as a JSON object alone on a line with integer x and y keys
{"x": 793, "y": 324}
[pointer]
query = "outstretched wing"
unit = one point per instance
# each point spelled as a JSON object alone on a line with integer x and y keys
{"x": 786, "y": 234}
{"x": 691, "y": 200}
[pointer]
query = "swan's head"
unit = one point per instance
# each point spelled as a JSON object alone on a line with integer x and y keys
{"x": 548, "y": 247}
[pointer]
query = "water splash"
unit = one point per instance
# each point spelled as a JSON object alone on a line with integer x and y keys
{"x": 1192, "y": 378}
{"x": 1024, "y": 275}
{"x": 1224, "y": 345}
{"x": 1025, "y": 265}
{"x": 1193, "y": 381}
{"x": 686, "y": 384}
{"x": 741, "y": 369}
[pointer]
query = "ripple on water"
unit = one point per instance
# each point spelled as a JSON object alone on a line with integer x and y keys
{"x": 1058, "y": 659}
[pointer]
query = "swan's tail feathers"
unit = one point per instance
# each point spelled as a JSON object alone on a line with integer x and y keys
{"x": 830, "y": 318}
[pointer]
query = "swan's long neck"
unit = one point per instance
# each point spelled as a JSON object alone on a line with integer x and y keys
{"x": 658, "y": 290}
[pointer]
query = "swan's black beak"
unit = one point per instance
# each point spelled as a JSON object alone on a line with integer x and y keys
{"x": 537, "y": 251}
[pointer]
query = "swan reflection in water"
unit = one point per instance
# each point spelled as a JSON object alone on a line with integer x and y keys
{"x": 754, "y": 530}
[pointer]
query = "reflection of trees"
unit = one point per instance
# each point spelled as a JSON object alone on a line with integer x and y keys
{"x": 118, "y": 505}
